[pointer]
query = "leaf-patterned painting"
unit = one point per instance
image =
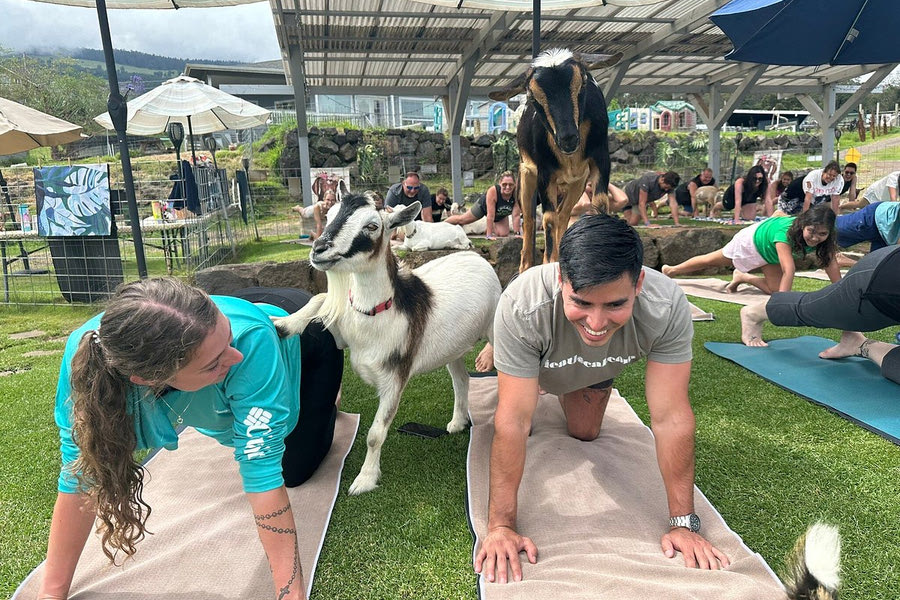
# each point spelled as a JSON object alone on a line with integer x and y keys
{"x": 72, "y": 200}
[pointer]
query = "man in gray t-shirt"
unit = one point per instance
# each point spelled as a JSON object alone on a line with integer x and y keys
{"x": 645, "y": 191}
{"x": 570, "y": 328}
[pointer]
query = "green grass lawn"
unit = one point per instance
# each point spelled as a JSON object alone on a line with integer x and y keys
{"x": 770, "y": 461}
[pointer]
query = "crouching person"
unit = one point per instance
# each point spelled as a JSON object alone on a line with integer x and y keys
{"x": 599, "y": 307}
{"x": 166, "y": 354}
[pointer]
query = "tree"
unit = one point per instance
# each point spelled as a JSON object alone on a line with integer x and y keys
{"x": 54, "y": 86}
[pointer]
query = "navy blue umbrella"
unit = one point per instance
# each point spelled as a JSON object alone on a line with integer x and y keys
{"x": 811, "y": 32}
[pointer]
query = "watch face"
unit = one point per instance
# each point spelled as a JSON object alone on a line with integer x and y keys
{"x": 695, "y": 523}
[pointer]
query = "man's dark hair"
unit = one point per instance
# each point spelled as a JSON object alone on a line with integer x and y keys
{"x": 671, "y": 178}
{"x": 412, "y": 174}
{"x": 599, "y": 249}
{"x": 851, "y": 165}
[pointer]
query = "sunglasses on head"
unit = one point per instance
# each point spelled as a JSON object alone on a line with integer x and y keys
{"x": 413, "y": 188}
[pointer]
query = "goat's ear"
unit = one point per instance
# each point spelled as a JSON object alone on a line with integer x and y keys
{"x": 516, "y": 86}
{"x": 342, "y": 185}
{"x": 401, "y": 217}
{"x": 599, "y": 61}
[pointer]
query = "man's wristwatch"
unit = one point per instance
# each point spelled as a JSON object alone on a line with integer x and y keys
{"x": 691, "y": 522}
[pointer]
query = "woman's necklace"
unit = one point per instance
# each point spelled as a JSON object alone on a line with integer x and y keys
{"x": 178, "y": 416}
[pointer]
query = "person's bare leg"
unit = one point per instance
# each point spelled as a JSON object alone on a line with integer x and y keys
{"x": 847, "y": 346}
{"x": 767, "y": 284}
{"x": 484, "y": 362}
{"x": 697, "y": 263}
{"x": 737, "y": 278}
{"x": 463, "y": 219}
{"x": 752, "y": 319}
{"x": 845, "y": 261}
{"x": 584, "y": 410}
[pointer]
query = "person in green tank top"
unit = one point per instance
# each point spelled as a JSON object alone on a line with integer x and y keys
{"x": 771, "y": 247}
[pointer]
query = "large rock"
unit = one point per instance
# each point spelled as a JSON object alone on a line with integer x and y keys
{"x": 295, "y": 274}
{"x": 227, "y": 279}
{"x": 661, "y": 246}
{"x": 679, "y": 244}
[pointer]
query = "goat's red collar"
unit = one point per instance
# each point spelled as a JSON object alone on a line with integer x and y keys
{"x": 378, "y": 308}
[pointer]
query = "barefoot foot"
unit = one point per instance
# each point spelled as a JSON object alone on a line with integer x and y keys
{"x": 484, "y": 362}
{"x": 848, "y": 346}
{"x": 751, "y": 326}
{"x": 737, "y": 279}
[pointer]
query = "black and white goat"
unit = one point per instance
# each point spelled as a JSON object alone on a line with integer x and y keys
{"x": 562, "y": 138}
{"x": 396, "y": 322}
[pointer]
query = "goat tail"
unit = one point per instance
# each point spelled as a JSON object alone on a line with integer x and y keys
{"x": 814, "y": 565}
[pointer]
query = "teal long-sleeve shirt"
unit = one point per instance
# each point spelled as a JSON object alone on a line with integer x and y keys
{"x": 252, "y": 410}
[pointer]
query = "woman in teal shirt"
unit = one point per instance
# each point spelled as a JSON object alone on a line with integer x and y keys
{"x": 770, "y": 246}
{"x": 165, "y": 354}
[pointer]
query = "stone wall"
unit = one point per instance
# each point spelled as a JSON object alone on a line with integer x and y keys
{"x": 482, "y": 154}
{"x": 661, "y": 246}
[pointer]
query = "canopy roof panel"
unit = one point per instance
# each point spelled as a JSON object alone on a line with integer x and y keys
{"x": 413, "y": 48}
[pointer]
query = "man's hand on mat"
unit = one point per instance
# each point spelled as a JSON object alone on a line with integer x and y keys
{"x": 697, "y": 552}
{"x": 501, "y": 547}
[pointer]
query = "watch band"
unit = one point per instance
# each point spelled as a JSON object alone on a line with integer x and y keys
{"x": 690, "y": 521}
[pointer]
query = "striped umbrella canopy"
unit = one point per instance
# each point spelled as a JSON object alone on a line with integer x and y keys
{"x": 23, "y": 128}
{"x": 181, "y": 98}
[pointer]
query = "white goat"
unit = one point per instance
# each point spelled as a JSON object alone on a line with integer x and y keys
{"x": 476, "y": 228}
{"x": 396, "y": 322}
{"x": 422, "y": 235}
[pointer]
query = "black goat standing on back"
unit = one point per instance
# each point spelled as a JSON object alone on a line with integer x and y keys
{"x": 563, "y": 144}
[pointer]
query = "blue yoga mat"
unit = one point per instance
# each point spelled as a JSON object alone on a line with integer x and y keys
{"x": 852, "y": 387}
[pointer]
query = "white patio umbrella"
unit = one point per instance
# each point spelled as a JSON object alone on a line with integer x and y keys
{"x": 23, "y": 128}
{"x": 116, "y": 103}
{"x": 199, "y": 107}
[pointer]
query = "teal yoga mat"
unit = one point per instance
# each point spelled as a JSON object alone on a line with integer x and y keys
{"x": 852, "y": 387}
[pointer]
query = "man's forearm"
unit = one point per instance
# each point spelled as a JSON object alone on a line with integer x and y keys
{"x": 507, "y": 465}
{"x": 675, "y": 455}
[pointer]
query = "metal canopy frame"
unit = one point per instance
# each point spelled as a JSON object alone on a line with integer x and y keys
{"x": 409, "y": 48}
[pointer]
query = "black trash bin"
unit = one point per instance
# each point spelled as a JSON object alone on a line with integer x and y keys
{"x": 88, "y": 269}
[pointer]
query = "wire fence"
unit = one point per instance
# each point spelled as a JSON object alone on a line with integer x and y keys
{"x": 238, "y": 208}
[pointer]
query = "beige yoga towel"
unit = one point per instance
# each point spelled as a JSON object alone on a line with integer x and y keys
{"x": 714, "y": 289}
{"x": 596, "y": 511}
{"x": 205, "y": 545}
{"x": 698, "y": 314}
{"x": 817, "y": 274}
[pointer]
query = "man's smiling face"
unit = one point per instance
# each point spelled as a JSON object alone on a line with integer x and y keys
{"x": 598, "y": 311}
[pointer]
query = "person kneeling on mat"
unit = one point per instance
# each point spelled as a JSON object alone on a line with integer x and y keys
{"x": 866, "y": 299}
{"x": 166, "y": 354}
{"x": 570, "y": 328}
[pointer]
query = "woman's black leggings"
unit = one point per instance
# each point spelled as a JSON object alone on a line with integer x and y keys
{"x": 866, "y": 299}
{"x": 321, "y": 369}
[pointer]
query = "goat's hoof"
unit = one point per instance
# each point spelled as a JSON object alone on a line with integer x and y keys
{"x": 362, "y": 484}
{"x": 287, "y": 327}
{"x": 455, "y": 426}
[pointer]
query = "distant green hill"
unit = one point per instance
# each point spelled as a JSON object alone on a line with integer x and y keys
{"x": 151, "y": 68}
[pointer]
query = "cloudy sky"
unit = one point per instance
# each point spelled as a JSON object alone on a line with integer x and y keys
{"x": 240, "y": 33}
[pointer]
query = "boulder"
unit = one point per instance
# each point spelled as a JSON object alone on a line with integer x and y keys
{"x": 676, "y": 245}
{"x": 347, "y": 152}
{"x": 295, "y": 274}
{"x": 226, "y": 279}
